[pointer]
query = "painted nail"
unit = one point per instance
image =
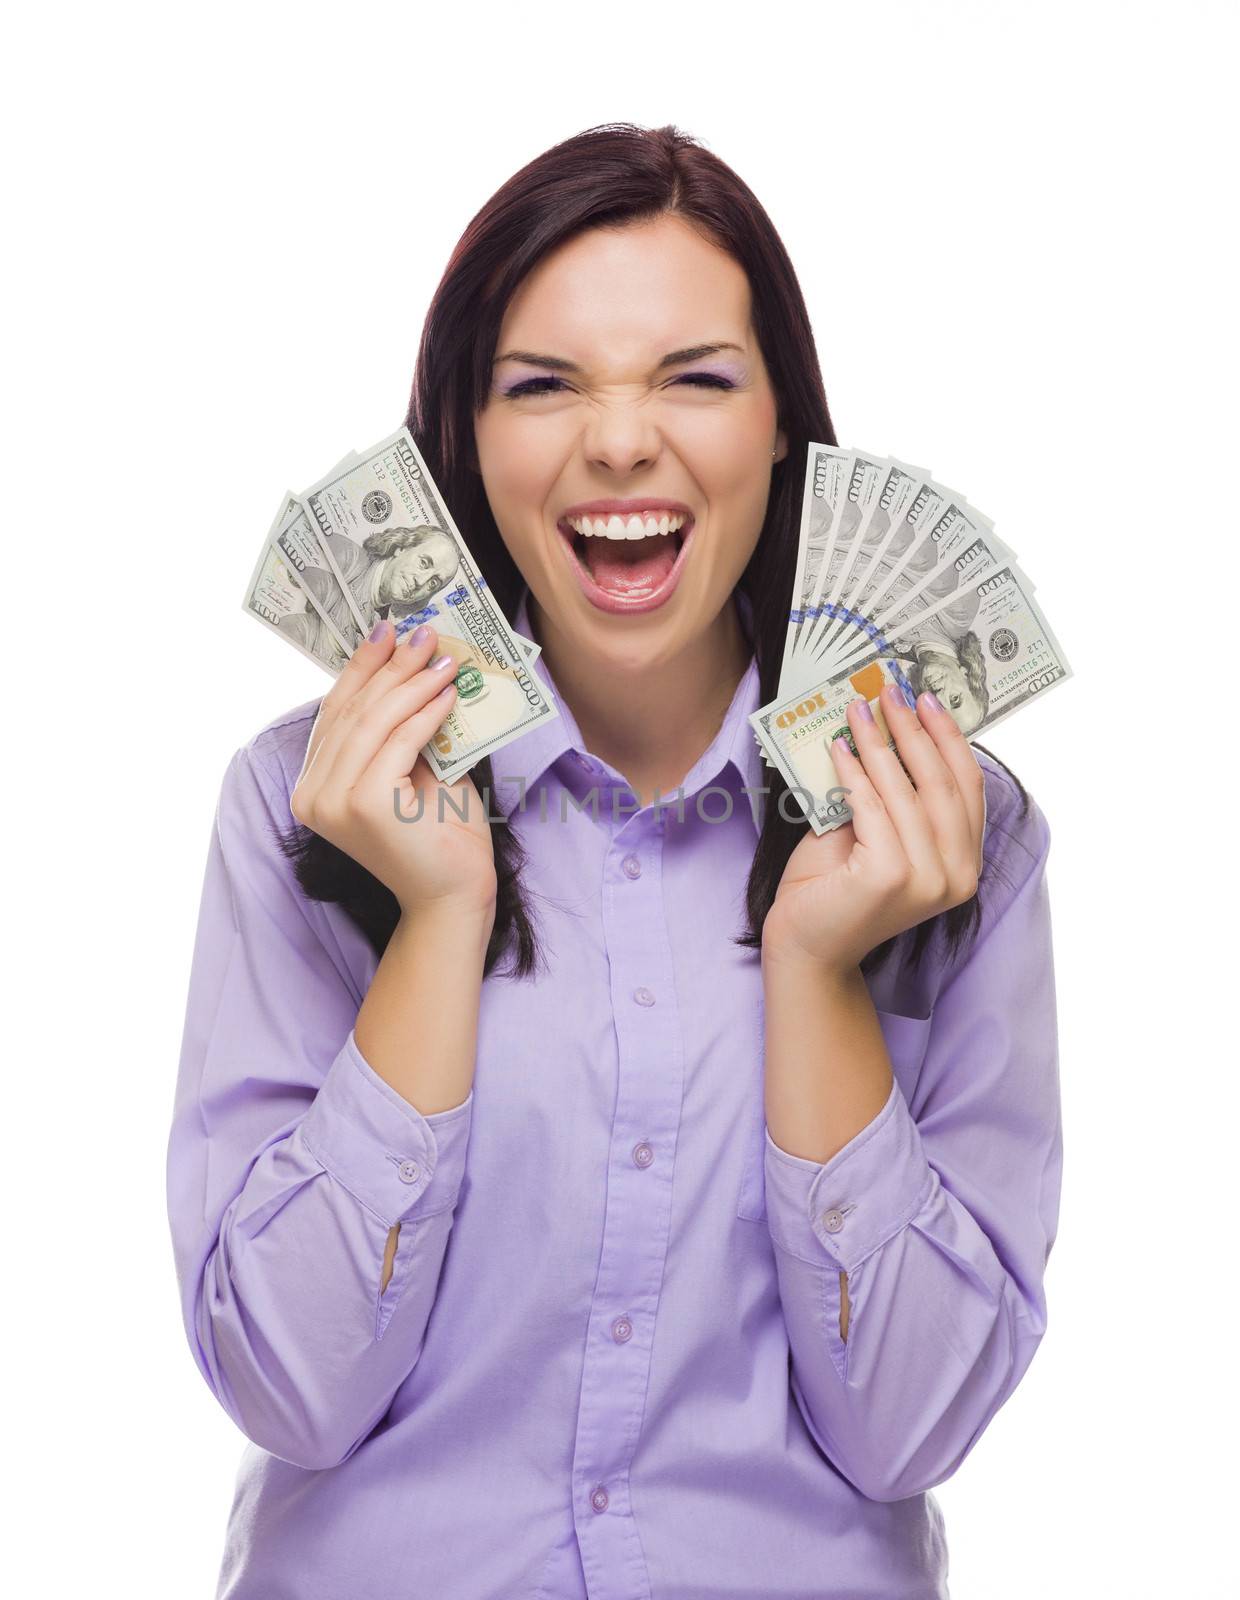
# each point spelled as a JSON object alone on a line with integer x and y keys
{"x": 417, "y": 636}
{"x": 377, "y": 632}
{"x": 440, "y": 662}
{"x": 895, "y": 694}
{"x": 840, "y": 742}
{"x": 932, "y": 700}
{"x": 863, "y": 709}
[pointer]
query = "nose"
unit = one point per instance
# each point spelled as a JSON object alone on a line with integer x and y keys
{"x": 621, "y": 439}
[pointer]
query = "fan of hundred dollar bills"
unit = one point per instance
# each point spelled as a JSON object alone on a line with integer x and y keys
{"x": 374, "y": 538}
{"x": 898, "y": 578}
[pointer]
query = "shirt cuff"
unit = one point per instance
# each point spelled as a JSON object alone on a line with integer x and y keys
{"x": 385, "y": 1152}
{"x": 846, "y": 1208}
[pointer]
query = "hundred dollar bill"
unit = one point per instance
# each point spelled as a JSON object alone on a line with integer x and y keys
{"x": 856, "y": 488}
{"x": 910, "y": 549}
{"x": 958, "y": 553}
{"x": 275, "y": 597}
{"x": 982, "y": 673}
{"x": 298, "y": 543}
{"x": 391, "y": 541}
{"x": 824, "y": 472}
{"x": 930, "y": 567}
{"x": 878, "y": 531}
{"x": 925, "y": 501}
{"x": 531, "y": 647}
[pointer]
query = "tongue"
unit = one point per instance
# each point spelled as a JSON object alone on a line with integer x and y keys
{"x": 630, "y": 566}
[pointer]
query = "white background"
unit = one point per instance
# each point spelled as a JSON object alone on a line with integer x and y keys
{"x": 225, "y": 225}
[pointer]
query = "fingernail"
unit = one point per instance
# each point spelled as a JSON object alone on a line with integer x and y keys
{"x": 840, "y": 741}
{"x": 417, "y": 636}
{"x": 932, "y": 700}
{"x": 440, "y": 662}
{"x": 895, "y": 694}
{"x": 379, "y": 629}
{"x": 863, "y": 709}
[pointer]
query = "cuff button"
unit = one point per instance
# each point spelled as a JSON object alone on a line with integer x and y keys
{"x": 409, "y": 1171}
{"x": 833, "y": 1220}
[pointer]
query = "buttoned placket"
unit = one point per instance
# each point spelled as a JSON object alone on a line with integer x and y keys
{"x": 637, "y": 1213}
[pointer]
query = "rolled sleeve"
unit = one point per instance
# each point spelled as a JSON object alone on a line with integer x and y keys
{"x": 939, "y": 1216}
{"x": 290, "y": 1159}
{"x": 852, "y": 1205}
{"x": 395, "y": 1160}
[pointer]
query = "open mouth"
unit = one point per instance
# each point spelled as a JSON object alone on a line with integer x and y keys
{"x": 631, "y": 560}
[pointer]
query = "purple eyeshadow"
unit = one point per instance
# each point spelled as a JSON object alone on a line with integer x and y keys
{"x": 734, "y": 375}
{"x": 727, "y": 374}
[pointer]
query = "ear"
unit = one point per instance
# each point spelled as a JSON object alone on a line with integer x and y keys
{"x": 781, "y": 446}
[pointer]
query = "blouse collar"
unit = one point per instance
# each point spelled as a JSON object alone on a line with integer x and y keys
{"x": 529, "y": 757}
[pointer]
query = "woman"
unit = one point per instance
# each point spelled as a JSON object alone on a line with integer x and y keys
{"x": 576, "y": 1194}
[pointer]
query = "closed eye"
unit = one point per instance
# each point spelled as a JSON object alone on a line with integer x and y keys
{"x": 704, "y": 380}
{"x": 534, "y": 386}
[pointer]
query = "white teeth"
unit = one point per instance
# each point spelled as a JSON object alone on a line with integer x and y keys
{"x": 633, "y": 527}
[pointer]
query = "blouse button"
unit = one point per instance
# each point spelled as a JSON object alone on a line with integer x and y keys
{"x": 643, "y": 1155}
{"x": 632, "y": 867}
{"x": 621, "y": 1330}
{"x": 643, "y": 997}
{"x": 599, "y": 1498}
{"x": 833, "y": 1220}
{"x": 408, "y": 1171}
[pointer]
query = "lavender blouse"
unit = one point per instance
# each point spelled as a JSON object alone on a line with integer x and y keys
{"x": 608, "y": 1363}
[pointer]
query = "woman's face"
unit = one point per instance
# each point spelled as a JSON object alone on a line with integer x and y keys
{"x": 600, "y": 408}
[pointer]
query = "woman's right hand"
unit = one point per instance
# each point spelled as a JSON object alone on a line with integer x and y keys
{"x": 365, "y": 747}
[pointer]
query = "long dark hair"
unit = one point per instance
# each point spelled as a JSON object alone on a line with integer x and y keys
{"x": 608, "y": 176}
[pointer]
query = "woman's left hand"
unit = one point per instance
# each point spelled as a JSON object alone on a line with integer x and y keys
{"x": 911, "y": 850}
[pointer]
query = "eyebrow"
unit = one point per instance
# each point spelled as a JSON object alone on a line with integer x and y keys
{"x": 674, "y": 358}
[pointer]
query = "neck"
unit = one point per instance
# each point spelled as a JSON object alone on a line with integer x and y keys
{"x": 668, "y": 713}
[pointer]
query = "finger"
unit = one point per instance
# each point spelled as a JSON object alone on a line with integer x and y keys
{"x": 895, "y": 789}
{"x": 872, "y": 825}
{"x": 358, "y": 756}
{"x": 361, "y": 666}
{"x": 952, "y": 794}
{"x": 941, "y": 797}
{"x": 399, "y": 753}
{"x": 403, "y": 661}
{"x": 961, "y": 760}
